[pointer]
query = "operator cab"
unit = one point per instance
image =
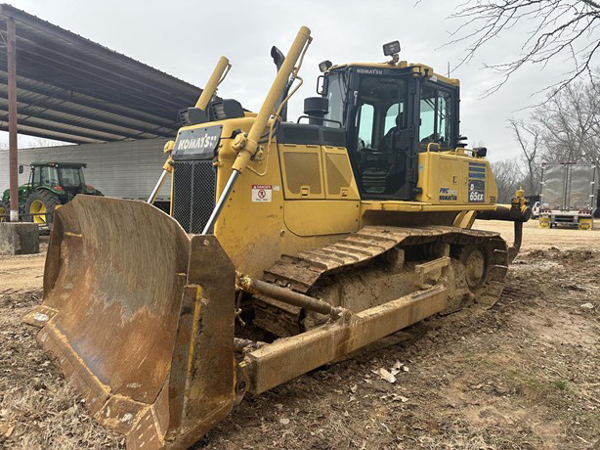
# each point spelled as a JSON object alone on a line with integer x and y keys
{"x": 67, "y": 176}
{"x": 390, "y": 112}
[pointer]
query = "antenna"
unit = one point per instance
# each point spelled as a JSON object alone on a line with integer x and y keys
{"x": 448, "y": 69}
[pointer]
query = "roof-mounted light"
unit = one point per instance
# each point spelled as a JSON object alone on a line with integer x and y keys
{"x": 325, "y": 66}
{"x": 391, "y": 48}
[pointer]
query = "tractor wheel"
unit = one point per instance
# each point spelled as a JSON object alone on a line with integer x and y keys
{"x": 40, "y": 207}
{"x": 4, "y": 212}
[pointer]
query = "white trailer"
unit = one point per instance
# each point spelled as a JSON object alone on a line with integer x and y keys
{"x": 568, "y": 195}
{"x": 124, "y": 169}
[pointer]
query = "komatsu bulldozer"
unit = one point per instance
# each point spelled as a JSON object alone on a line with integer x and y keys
{"x": 288, "y": 246}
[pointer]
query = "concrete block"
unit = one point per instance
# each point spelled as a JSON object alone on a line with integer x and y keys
{"x": 19, "y": 238}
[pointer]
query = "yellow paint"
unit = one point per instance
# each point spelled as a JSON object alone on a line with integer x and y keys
{"x": 38, "y": 207}
{"x": 447, "y": 174}
{"x": 312, "y": 205}
{"x": 586, "y": 224}
{"x": 247, "y": 144}
{"x": 195, "y": 325}
{"x": 417, "y": 69}
{"x": 302, "y": 171}
{"x": 544, "y": 222}
{"x": 465, "y": 219}
{"x": 321, "y": 217}
{"x": 217, "y": 76}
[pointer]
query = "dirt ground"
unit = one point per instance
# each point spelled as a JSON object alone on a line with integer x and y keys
{"x": 521, "y": 375}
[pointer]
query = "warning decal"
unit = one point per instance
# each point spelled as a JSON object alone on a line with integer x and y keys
{"x": 262, "y": 192}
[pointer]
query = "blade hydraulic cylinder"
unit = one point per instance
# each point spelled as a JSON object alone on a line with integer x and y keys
{"x": 157, "y": 186}
{"x": 247, "y": 145}
{"x": 282, "y": 294}
{"x": 213, "y": 82}
{"x": 222, "y": 199}
{"x": 209, "y": 91}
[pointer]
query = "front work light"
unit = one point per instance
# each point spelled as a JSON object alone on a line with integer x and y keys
{"x": 391, "y": 48}
{"x": 325, "y": 66}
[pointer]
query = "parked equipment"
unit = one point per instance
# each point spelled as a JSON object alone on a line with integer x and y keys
{"x": 568, "y": 195}
{"x": 50, "y": 184}
{"x": 288, "y": 246}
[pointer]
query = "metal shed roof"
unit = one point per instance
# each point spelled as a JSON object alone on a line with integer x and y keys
{"x": 74, "y": 90}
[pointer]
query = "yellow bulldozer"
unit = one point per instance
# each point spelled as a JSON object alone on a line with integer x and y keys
{"x": 288, "y": 246}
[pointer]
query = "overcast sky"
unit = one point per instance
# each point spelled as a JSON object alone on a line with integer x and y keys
{"x": 185, "y": 38}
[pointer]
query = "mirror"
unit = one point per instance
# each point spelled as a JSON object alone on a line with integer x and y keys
{"x": 20, "y": 168}
{"x": 320, "y": 85}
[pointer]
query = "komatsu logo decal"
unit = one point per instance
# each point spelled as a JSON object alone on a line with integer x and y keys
{"x": 197, "y": 143}
{"x": 204, "y": 142}
{"x": 448, "y": 195}
{"x": 370, "y": 71}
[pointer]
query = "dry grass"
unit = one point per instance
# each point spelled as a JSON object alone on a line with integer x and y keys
{"x": 50, "y": 417}
{"x": 520, "y": 376}
{"x": 38, "y": 410}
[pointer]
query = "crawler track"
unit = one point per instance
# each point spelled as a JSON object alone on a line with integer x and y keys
{"x": 479, "y": 262}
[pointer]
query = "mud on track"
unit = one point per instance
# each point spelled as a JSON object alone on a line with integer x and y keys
{"x": 523, "y": 375}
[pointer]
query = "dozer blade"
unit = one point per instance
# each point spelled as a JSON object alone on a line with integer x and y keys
{"x": 141, "y": 318}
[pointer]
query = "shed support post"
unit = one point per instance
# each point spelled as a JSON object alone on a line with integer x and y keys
{"x": 12, "y": 119}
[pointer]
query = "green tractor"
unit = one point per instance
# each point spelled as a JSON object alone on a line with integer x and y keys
{"x": 50, "y": 184}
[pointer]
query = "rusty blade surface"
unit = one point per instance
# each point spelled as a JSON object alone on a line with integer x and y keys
{"x": 113, "y": 272}
{"x": 141, "y": 317}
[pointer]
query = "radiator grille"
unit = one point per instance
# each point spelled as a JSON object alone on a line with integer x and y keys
{"x": 194, "y": 184}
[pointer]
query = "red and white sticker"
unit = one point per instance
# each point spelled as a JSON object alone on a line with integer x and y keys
{"x": 262, "y": 192}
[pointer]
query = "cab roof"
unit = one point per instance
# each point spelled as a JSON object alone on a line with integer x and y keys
{"x": 416, "y": 68}
{"x": 75, "y": 165}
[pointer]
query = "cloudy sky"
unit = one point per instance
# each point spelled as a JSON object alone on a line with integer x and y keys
{"x": 185, "y": 38}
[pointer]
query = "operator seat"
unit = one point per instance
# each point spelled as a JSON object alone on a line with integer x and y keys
{"x": 395, "y": 155}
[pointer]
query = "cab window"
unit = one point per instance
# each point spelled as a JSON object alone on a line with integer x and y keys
{"x": 391, "y": 116}
{"x": 365, "y": 125}
{"x": 435, "y": 117}
{"x": 381, "y": 104}
{"x": 444, "y": 122}
{"x": 50, "y": 176}
{"x": 37, "y": 173}
{"x": 335, "y": 95}
{"x": 71, "y": 177}
{"x": 427, "y": 127}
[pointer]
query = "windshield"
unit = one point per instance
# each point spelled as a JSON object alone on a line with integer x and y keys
{"x": 381, "y": 108}
{"x": 71, "y": 177}
{"x": 45, "y": 176}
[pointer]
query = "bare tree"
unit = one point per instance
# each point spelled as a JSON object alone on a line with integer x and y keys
{"x": 570, "y": 124}
{"x": 559, "y": 31}
{"x": 509, "y": 178}
{"x": 529, "y": 137}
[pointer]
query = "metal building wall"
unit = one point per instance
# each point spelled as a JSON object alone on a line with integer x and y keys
{"x": 125, "y": 169}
